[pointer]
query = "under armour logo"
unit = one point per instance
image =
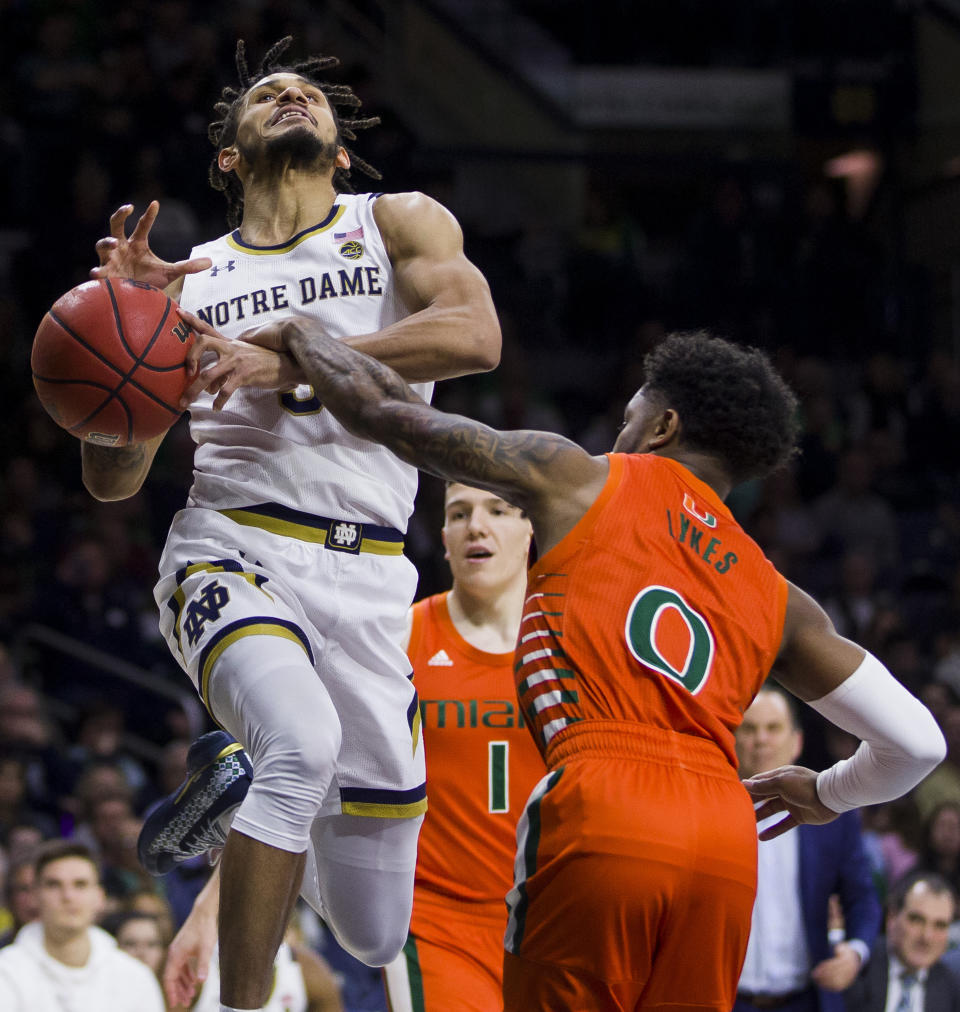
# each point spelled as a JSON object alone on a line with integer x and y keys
{"x": 206, "y": 607}
{"x": 230, "y": 265}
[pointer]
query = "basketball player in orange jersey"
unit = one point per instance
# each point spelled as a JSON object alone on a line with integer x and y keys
{"x": 283, "y": 584}
{"x": 481, "y": 766}
{"x": 651, "y": 620}
{"x": 481, "y": 761}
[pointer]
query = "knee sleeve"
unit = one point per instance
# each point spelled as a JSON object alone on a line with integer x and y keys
{"x": 267, "y": 695}
{"x": 362, "y": 868}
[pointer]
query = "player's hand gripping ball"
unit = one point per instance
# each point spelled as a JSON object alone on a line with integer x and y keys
{"x": 108, "y": 361}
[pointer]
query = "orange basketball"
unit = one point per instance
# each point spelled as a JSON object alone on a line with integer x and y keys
{"x": 108, "y": 361}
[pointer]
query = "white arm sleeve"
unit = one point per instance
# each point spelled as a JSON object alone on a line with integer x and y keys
{"x": 900, "y": 741}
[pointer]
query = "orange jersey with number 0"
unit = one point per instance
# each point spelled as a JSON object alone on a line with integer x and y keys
{"x": 657, "y": 608}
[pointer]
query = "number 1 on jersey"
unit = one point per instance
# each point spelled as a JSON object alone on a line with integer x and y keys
{"x": 498, "y": 777}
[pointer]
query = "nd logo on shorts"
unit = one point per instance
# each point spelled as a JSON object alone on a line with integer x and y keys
{"x": 216, "y": 604}
{"x": 207, "y": 606}
{"x": 664, "y": 633}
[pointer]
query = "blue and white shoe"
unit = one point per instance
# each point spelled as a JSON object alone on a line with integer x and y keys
{"x": 197, "y": 816}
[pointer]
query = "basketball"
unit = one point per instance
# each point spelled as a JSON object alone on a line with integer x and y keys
{"x": 108, "y": 361}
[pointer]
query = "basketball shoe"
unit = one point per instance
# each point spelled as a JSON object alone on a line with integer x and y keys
{"x": 196, "y": 816}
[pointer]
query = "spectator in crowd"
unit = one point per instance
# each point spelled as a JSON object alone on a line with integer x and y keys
{"x": 149, "y": 901}
{"x": 63, "y": 960}
{"x": 115, "y": 829}
{"x": 15, "y": 808}
{"x": 22, "y": 840}
{"x": 98, "y": 781}
{"x": 891, "y": 833}
{"x": 851, "y": 515}
{"x": 940, "y": 851}
{"x": 910, "y": 975}
{"x": 791, "y": 962}
{"x": 20, "y": 897}
{"x": 100, "y": 737}
{"x": 853, "y": 605}
{"x": 139, "y": 935}
{"x": 28, "y": 731}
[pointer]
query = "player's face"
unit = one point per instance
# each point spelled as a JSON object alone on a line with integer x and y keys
{"x": 487, "y": 540}
{"x": 69, "y": 895}
{"x": 919, "y": 933}
{"x": 288, "y": 120}
{"x": 767, "y": 737}
{"x": 643, "y": 421}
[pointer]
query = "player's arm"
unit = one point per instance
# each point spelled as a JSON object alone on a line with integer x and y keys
{"x": 452, "y": 329}
{"x": 900, "y": 740}
{"x": 544, "y": 473}
{"x": 190, "y": 952}
{"x": 111, "y": 473}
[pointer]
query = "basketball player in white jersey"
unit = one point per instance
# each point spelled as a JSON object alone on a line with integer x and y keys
{"x": 283, "y": 588}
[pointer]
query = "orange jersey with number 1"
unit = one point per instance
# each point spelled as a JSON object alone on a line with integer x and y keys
{"x": 646, "y": 633}
{"x": 481, "y": 766}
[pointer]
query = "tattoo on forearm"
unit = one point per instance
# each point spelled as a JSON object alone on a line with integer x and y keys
{"x": 374, "y": 402}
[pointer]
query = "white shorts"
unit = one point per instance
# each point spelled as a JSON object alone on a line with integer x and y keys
{"x": 225, "y": 578}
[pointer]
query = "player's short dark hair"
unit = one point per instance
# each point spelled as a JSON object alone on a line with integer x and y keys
{"x": 934, "y": 881}
{"x": 57, "y": 850}
{"x": 223, "y": 131}
{"x": 732, "y": 402}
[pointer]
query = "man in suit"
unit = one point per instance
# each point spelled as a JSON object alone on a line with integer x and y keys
{"x": 791, "y": 965}
{"x": 910, "y": 976}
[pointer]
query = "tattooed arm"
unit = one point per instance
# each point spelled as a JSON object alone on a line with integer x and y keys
{"x": 117, "y": 472}
{"x": 550, "y": 477}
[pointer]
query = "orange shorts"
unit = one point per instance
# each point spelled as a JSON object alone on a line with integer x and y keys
{"x": 452, "y": 960}
{"x": 635, "y": 877}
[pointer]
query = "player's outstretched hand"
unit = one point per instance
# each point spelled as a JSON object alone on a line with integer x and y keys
{"x": 189, "y": 955}
{"x": 220, "y": 365}
{"x": 790, "y": 789}
{"x": 131, "y": 257}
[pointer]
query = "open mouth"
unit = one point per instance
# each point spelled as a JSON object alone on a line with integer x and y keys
{"x": 290, "y": 113}
{"x": 479, "y": 553}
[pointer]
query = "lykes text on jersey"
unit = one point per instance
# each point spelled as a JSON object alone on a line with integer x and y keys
{"x": 343, "y": 283}
{"x": 702, "y": 543}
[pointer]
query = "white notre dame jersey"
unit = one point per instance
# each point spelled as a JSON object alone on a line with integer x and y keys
{"x": 284, "y": 448}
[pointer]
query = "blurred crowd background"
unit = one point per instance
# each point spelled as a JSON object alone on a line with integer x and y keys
{"x": 783, "y": 172}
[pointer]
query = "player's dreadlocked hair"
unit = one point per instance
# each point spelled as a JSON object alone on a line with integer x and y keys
{"x": 223, "y": 132}
{"x": 732, "y": 402}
